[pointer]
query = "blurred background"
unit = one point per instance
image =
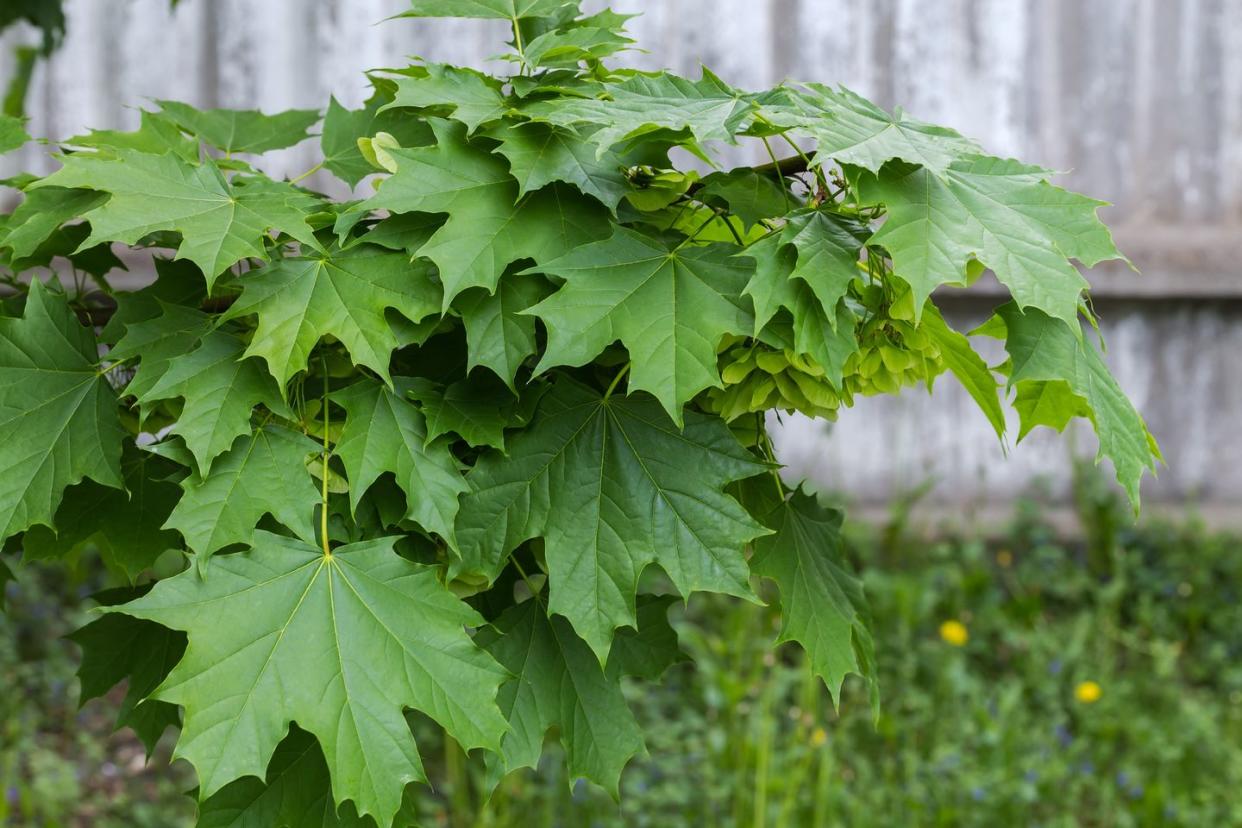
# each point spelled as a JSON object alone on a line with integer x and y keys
{"x": 1054, "y": 585}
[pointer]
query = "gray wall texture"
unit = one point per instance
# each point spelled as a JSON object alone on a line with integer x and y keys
{"x": 1139, "y": 101}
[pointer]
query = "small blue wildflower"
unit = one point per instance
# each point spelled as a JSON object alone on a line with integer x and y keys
{"x": 977, "y": 794}
{"x": 1064, "y": 736}
{"x": 1055, "y": 667}
{"x": 1087, "y": 768}
{"x": 1031, "y": 776}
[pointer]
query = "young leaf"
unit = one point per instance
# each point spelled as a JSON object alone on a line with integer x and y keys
{"x": 384, "y": 432}
{"x": 242, "y": 130}
{"x": 344, "y": 294}
{"x": 612, "y": 486}
{"x": 342, "y": 128}
{"x": 263, "y": 473}
{"x": 341, "y": 644}
{"x": 670, "y": 307}
{"x": 558, "y": 683}
{"x": 57, "y": 413}
{"x": 822, "y": 603}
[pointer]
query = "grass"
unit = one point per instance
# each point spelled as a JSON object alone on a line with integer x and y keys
{"x": 992, "y": 730}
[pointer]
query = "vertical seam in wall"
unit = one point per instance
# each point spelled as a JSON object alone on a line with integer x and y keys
{"x": 209, "y": 77}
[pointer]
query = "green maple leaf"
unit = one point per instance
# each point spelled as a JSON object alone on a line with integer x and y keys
{"x": 343, "y": 127}
{"x": 488, "y": 228}
{"x": 125, "y": 525}
{"x": 1051, "y": 403}
{"x": 220, "y": 389}
{"x": 707, "y": 109}
{"x": 57, "y": 413}
{"x": 648, "y": 649}
{"x": 12, "y": 133}
{"x": 474, "y": 409}
{"x": 466, "y": 95}
{"x": 319, "y": 632}
{"x": 1000, "y": 212}
{"x": 850, "y": 129}
{"x": 540, "y": 154}
{"x": 827, "y": 248}
{"x": 499, "y": 334}
{"x": 158, "y": 342}
{"x": 385, "y": 432}
{"x": 749, "y": 194}
{"x": 242, "y": 130}
{"x": 493, "y": 9}
{"x": 822, "y": 604}
{"x": 969, "y": 368}
{"x": 155, "y": 135}
{"x": 589, "y": 39}
{"x": 296, "y": 793}
{"x": 344, "y": 294}
{"x": 263, "y": 473}
{"x": 669, "y": 306}
{"x": 1042, "y": 348}
{"x": 220, "y": 221}
{"x": 559, "y": 683}
{"x": 828, "y": 339}
{"x": 118, "y": 648}
{"x": 611, "y": 485}
{"x": 176, "y": 283}
{"x": 6, "y": 577}
{"x": 41, "y": 212}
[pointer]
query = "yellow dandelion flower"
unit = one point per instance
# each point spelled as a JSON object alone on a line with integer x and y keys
{"x": 1004, "y": 558}
{"x": 818, "y": 736}
{"x": 955, "y": 633}
{"x": 1088, "y": 692}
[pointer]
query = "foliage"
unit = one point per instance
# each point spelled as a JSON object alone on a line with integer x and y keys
{"x": 416, "y": 442}
{"x": 982, "y": 734}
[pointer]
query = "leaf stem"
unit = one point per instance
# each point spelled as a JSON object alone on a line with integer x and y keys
{"x": 308, "y": 173}
{"x": 323, "y": 514}
{"x": 517, "y": 44}
{"x": 612, "y": 386}
{"x": 777, "y": 164}
{"x": 766, "y": 442}
{"x": 534, "y": 593}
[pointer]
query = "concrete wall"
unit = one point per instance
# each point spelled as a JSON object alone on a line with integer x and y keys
{"x": 1139, "y": 100}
